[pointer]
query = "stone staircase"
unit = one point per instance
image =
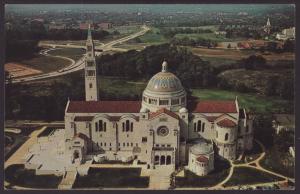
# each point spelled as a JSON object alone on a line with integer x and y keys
{"x": 160, "y": 182}
{"x": 160, "y": 178}
{"x": 68, "y": 180}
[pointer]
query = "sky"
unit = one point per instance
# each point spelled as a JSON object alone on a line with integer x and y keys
{"x": 145, "y": 7}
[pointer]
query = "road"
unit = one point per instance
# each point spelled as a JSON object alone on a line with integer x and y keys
{"x": 78, "y": 65}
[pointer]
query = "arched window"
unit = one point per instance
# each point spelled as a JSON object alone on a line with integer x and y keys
{"x": 131, "y": 127}
{"x": 162, "y": 160}
{"x": 127, "y": 125}
{"x": 96, "y": 126}
{"x": 100, "y": 125}
{"x": 199, "y": 126}
{"x": 104, "y": 126}
{"x": 123, "y": 127}
{"x": 203, "y": 126}
{"x": 226, "y": 136}
{"x": 168, "y": 160}
{"x": 195, "y": 127}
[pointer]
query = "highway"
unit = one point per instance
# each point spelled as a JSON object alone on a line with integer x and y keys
{"x": 78, "y": 65}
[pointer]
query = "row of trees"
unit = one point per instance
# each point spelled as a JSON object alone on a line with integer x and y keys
{"x": 171, "y": 32}
{"x": 186, "y": 41}
{"x": 52, "y": 34}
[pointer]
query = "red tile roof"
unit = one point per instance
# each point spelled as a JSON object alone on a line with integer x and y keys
{"x": 104, "y": 107}
{"x": 202, "y": 159}
{"x": 213, "y": 106}
{"x": 226, "y": 123}
{"x": 83, "y": 118}
{"x": 163, "y": 110}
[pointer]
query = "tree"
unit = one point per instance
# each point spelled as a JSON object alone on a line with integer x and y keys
{"x": 263, "y": 129}
{"x": 254, "y": 62}
{"x": 271, "y": 86}
{"x": 289, "y": 46}
{"x": 283, "y": 140}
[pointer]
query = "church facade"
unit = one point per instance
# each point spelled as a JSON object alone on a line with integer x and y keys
{"x": 164, "y": 128}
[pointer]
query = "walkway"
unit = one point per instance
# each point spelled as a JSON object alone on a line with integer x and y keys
{"x": 68, "y": 180}
{"x": 252, "y": 164}
{"x": 18, "y": 156}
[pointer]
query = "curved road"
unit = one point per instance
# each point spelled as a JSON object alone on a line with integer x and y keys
{"x": 78, "y": 65}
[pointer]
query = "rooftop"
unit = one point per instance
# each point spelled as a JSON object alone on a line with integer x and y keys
{"x": 213, "y": 106}
{"x": 210, "y": 106}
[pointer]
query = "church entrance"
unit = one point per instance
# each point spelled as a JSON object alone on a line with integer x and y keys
{"x": 162, "y": 160}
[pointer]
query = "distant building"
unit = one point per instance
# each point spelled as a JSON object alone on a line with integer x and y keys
{"x": 220, "y": 32}
{"x": 292, "y": 151}
{"x": 105, "y": 25}
{"x": 85, "y": 26}
{"x": 267, "y": 27}
{"x": 288, "y": 33}
{"x": 57, "y": 26}
{"x": 284, "y": 122}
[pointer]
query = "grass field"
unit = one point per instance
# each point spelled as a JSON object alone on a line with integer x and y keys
{"x": 210, "y": 36}
{"x": 246, "y": 175}
{"x": 46, "y": 63}
{"x": 121, "y": 87}
{"x": 73, "y": 53}
{"x": 240, "y": 54}
{"x": 249, "y": 101}
{"x": 276, "y": 160}
{"x": 18, "y": 175}
{"x": 112, "y": 178}
{"x": 153, "y": 36}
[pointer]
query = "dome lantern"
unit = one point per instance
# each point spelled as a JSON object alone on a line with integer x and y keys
{"x": 164, "y": 66}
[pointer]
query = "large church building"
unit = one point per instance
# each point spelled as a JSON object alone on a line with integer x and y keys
{"x": 164, "y": 128}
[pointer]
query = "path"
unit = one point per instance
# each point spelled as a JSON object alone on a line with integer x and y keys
{"x": 79, "y": 65}
{"x": 18, "y": 156}
{"x": 68, "y": 180}
{"x": 160, "y": 178}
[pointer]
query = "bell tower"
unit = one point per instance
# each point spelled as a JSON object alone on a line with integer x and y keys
{"x": 91, "y": 78}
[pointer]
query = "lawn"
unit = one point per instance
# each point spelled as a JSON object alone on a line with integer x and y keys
{"x": 248, "y": 176}
{"x": 153, "y": 36}
{"x": 112, "y": 178}
{"x": 46, "y": 63}
{"x": 250, "y": 101}
{"x": 18, "y": 175}
{"x": 217, "y": 62}
{"x": 118, "y": 87}
{"x": 279, "y": 162}
{"x": 220, "y": 172}
{"x": 15, "y": 142}
{"x": 73, "y": 53}
{"x": 210, "y": 36}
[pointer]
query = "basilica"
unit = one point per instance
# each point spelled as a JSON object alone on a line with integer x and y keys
{"x": 164, "y": 128}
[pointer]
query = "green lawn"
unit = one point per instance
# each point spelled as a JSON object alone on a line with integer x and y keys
{"x": 18, "y": 175}
{"x": 220, "y": 172}
{"x": 46, "y": 63}
{"x": 216, "y": 62}
{"x": 153, "y": 36}
{"x": 112, "y": 178}
{"x": 210, "y": 36}
{"x": 247, "y": 176}
{"x": 279, "y": 162}
{"x": 73, "y": 53}
{"x": 121, "y": 87}
{"x": 249, "y": 101}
